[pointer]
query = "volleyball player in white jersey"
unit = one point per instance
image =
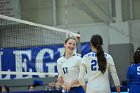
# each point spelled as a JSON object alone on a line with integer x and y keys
{"x": 68, "y": 68}
{"x": 96, "y": 65}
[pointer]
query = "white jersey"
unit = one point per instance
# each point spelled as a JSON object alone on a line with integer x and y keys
{"x": 69, "y": 68}
{"x": 97, "y": 82}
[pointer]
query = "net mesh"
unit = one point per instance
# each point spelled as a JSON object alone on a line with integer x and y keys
{"x": 21, "y": 35}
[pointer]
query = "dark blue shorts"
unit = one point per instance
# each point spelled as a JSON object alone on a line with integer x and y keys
{"x": 76, "y": 90}
{"x": 135, "y": 89}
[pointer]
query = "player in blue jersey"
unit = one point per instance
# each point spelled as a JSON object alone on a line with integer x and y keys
{"x": 133, "y": 73}
{"x": 96, "y": 65}
{"x": 69, "y": 67}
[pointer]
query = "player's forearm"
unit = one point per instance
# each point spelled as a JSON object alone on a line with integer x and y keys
{"x": 60, "y": 80}
{"x": 84, "y": 87}
{"x": 118, "y": 89}
{"x": 82, "y": 75}
{"x": 74, "y": 82}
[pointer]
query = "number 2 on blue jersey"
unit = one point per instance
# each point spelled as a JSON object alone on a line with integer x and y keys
{"x": 94, "y": 65}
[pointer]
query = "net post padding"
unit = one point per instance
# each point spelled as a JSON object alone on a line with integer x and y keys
{"x": 78, "y": 44}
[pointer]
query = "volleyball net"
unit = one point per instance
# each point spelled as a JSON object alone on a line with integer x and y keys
{"x": 28, "y": 49}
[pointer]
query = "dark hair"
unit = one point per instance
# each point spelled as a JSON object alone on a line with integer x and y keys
{"x": 136, "y": 56}
{"x": 97, "y": 42}
{"x": 0, "y": 88}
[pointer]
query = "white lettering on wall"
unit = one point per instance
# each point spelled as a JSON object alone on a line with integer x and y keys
{"x": 39, "y": 59}
{"x": 51, "y": 67}
{"x": 18, "y": 60}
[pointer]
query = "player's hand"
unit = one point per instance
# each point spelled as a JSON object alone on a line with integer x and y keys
{"x": 84, "y": 87}
{"x": 67, "y": 87}
{"x": 60, "y": 79}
